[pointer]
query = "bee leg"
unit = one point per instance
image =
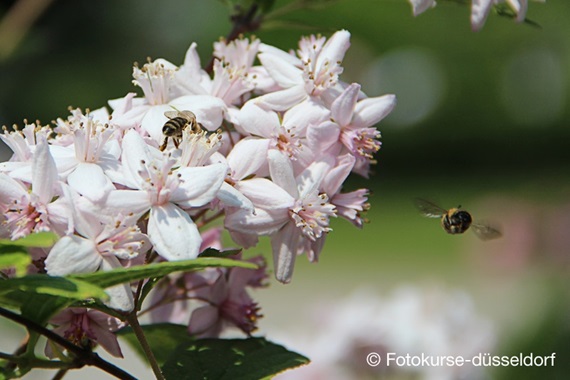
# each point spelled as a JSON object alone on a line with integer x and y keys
{"x": 176, "y": 143}
{"x": 164, "y": 144}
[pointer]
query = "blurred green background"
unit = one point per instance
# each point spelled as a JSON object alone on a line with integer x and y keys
{"x": 482, "y": 121}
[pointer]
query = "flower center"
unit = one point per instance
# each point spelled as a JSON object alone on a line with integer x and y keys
{"x": 312, "y": 214}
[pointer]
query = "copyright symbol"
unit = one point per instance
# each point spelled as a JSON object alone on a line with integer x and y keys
{"x": 373, "y": 359}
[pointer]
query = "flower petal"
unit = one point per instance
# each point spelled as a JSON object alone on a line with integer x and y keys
{"x": 283, "y": 72}
{"x": 173, "y": 234}
{"x": 343, "y": 107}
{"x": 89, "y": 180}
{"x": 120, "y": 296}
{"x": 73, "y": 254}
{"x": 284, "y": 244}
{"x": 198, "y": 185}
{"x": 371, "y": 110}
{"x": 44, "y": 172}
{"x": 282, "y": 172}
{"x": 247, "y": 157}
{"x": 233, "y": 198}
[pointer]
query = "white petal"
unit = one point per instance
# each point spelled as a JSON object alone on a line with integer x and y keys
{"x": 265, "y": 194}
{"x": 154, "y": 120}
{"x": 283, "y": 72}
{"x": 134, "y": 201}
{"x": 247, "y": 157}
{"x": 120, "y": 296}
{"x": 233, "y": 198}
{"x": 173, "y": 234}
{"x": 282, "y": 172}
{"x": 10, "y": 189}
{"x": 479, "y": 11}
{"x": 420, "y": 6}
{"x": 89, "y": 180}
{"x": 263, "y": 222}
{"x": 334, "y": 49}
{"x": 280, "y": 54}
{"x": 135, "y": 150}
{"x": 284, "y": 245}
{"x": 311, "y": 178}
{"x": 284, "y": 99}
{"x": 199, "y": 185}
{"x": 44, "y": 172}
{"x": 336, "y": 176}
{"x": 72, "y": 254}
{"x": 258, "y": 121}
{"x": 371, "y": 110}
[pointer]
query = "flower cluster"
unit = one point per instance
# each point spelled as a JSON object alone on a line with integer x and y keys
{"x": 480, "y": 9}
{"x": 264, "y": 143}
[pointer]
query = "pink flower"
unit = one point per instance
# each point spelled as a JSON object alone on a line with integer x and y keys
{"x": 86, "y": 328}
{"x": 290, "y": 209}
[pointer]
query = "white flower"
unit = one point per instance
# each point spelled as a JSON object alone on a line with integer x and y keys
{"x": 164, "y": 191}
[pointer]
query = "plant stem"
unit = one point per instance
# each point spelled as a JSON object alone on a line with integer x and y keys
{"x": 83, "y": 356}
{"x": 134, "y": 323}
{"x": 60, "y": 374}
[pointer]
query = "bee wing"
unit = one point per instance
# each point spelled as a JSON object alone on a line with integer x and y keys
{"x": 171, "y": 114}
{"x": 188, "y": 115}
{"x": 485, "y": 232}
{"x": 429, "y": 209}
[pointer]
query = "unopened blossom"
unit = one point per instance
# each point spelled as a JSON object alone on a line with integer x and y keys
{"x": 164, "y": 192}
{"x": 290, "y": 209}
{"x": 86, "y": 328}
{"x": 26, "y": 210}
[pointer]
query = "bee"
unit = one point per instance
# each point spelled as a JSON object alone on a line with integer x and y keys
{"x": 456, "y": 221}
{"x": 177, "y": 122}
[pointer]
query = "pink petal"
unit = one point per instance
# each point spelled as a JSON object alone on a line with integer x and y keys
{"x": 343, "y": 107}
{"x": 173, "y": 234}
{"x": 204, "y": 320}
{"x": 282, "y": 172}
{"x": 336, "y": 177}
{"x": 285, "y": 244}
{"x": 370, "y": 111}
{"x": 265, "y": 194}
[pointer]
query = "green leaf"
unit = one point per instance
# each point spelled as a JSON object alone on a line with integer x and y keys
{"x": 211, "y": 252}
{"x": 41, "y": 307}
{"x": 162, "y": 338}
{"x": 230, "y": 359}
{"x": 17, "y": 260}
{"x": 55, "y": 286}
{"x": 122, "y": 275}
{"x": 39, "y": 239}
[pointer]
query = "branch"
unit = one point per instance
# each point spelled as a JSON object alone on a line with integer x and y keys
{"x": 134, "y": 323}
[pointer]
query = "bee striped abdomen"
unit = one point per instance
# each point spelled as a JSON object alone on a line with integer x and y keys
{"x": 456, "y": 221}
{"x": 174, "y": 127}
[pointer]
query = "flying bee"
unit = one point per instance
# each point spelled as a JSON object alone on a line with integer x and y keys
{"x": 177, "y": 122}
{"x": 456, "y": 221}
